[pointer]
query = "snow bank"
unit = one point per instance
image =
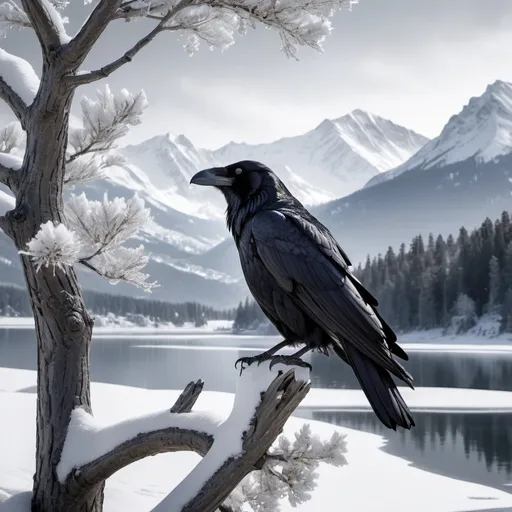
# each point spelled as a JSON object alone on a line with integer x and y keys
{"x": 141, "y": 486}
{"x": 104, "y": 325}
{"x": 420, "y": 399}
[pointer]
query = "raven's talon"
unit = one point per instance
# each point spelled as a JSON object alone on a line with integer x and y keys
{"x": 289, "y": 361}
{"x": 247, "y": 361}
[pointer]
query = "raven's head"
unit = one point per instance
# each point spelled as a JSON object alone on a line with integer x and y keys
{"x": 248, "y": 187}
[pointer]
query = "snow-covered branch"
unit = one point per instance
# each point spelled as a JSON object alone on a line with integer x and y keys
{"x": 115, "y": 446}
{"x": 81, "y": 44}
{"x": 9, "y": 166}
{"x": 47, "y": 23}
{"x": 85, "y": 78}
{"x": 12, "y": 18}
{"x": 231, "y": 448}
{"x": 264, "y": 401}
{"x": 18, "y": 84}
{"x": 105, "y": 119}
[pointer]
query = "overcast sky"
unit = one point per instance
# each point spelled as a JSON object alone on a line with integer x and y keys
{"x": 415, "y": 62}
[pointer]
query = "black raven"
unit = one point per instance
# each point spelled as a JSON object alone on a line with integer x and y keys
{"x": 302, "y": 280}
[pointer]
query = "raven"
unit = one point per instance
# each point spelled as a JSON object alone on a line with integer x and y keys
{"x": 302, "y": 280}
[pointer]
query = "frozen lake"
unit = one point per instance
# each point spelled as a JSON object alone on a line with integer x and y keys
{"x": 472, "y": 446}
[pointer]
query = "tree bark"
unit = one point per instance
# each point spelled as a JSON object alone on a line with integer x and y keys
{"x": 63, "y": 326}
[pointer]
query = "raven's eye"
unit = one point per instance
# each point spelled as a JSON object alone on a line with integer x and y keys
{"x": 238, "y": 170}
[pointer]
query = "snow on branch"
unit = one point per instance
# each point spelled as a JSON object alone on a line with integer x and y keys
{"x": 47, "y": 23}
{"x": 299, "y": 22}
{"x": 83, "y": 169}
{"x": 12, "y": 18}
{"x": 53, "y": 246}
{"x": 11, "y": 137}
{"x": 18, "y": 84}
{"x": 264, "y": 401}
{"x": 105, "y": 119}
{"x": 102, "y": 226}
{"x": 231, "y": 449}
{"x": 122, "y": 264}
{"x": 289, "y": 471}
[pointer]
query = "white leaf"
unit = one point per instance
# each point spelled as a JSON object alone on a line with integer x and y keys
{"x": 53, "y": 246}
{"x": 105, "y": 224}
{"x": 124, "y": 264}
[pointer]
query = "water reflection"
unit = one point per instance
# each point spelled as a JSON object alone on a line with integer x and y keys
{"x": 429, "y": 369}
{"x": 472, "y": 447}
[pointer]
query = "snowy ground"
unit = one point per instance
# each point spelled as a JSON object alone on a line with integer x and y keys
{"x": 122, "y": 325}
{"x": 140, "y": 486}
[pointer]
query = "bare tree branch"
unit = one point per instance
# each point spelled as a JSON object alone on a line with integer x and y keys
{"x": 93, "y": 76}
{"x": 16, "y": 104}
{"x": 81, "y": 44}
{"x": 10, "y": 178}
{"x": 44, "y": 27}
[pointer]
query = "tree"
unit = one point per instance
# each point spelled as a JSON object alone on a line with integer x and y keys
{"x": 53, "y": 237}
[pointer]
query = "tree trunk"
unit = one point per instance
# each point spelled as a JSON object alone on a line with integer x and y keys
{"x": 63, "y": 326}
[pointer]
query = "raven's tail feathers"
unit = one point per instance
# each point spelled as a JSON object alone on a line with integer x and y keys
{"x": 379, "y": 388}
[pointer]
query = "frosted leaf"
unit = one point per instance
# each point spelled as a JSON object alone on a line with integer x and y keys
{"x": 105, "y": 224}
{"x": 289, "y": 470}
{"x": 12, "y": 17}
{"x": 299, "y": 22}
{"x": 60, "y": 4}
{"x": 106, "y": 119}
{"x": 11, "y": 137}
{"x": 82, "y": 170}
{"x": 53, "y": 246}
{"x": 19, "y": 75}
{"x": 124, "y": 264}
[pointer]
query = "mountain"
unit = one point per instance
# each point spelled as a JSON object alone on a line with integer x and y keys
{"x": 481, "y": 131}
{"x": 339, "y": 155}
{"x": 192, "y": 256}
{"x": 458, "y": 178}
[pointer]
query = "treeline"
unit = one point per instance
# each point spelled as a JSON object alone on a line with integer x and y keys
{"x": 436, "y": 282}
{"x": 14, "y": 301}
{"x": 248, "y": 315}
{"x": 443, "y": 283}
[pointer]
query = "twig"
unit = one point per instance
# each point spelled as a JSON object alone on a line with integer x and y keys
{"x": 16, "y": 104}
{"x": 43, "y": 25}
{"x": 86, "y": 78}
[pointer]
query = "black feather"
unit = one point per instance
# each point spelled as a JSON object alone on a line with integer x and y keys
{"x": 303, "y": 281}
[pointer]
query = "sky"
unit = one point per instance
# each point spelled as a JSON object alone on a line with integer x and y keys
{"x": 414, "y": 62}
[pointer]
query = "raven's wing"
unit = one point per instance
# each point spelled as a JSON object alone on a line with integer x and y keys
{"x": 306, "y": 264}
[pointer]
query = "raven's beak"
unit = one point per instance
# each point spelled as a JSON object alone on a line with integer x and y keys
{"x": 215, "y": 177}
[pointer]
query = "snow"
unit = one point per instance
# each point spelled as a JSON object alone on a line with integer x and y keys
{"x": 482, "y": 130}
{"x": 228, "y": 437}
{"x": 142, "y": 485}
{"x": 53, "y": 246}
{"x": 19, "y": 75}
{"x": 119, "y": 326}
{"x": 12, "y": 161}
{"x": 341, "y": 154}
{"x": 88, "y": 439}
{"x": 57, "y": 20}
{"x": 426, "y": 399}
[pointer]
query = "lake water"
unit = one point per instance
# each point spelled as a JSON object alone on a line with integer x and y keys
{"x": 475, "y": 447}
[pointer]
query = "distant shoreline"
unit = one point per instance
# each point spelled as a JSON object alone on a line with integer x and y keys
{"x": 414, "y": 340}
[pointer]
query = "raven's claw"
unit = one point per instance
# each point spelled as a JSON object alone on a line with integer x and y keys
{"x": 247, "y": 361}
{"x": 289, "y": 361}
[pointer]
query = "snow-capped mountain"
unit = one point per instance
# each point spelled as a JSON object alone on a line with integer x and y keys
{"x": 192, "y": 255}
{"x": 482, "y": 131}
{"x": 339, "y": 155}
